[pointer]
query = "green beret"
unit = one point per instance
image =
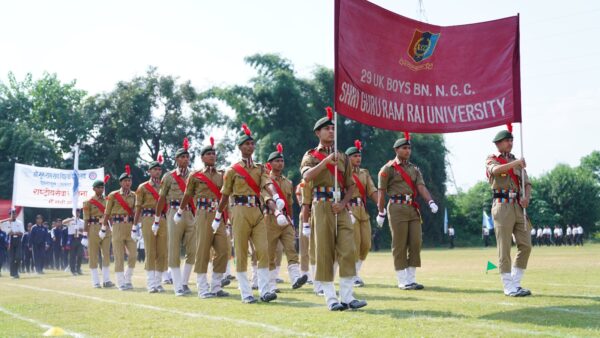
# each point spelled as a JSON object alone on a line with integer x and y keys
{"x": 323, "y": 122}
{"x": 502, "y": 135}
{"x": 181, "y": 151}
{"x": 274, "y": 155}
{"x": 243, "y": 138}
{"x": 206, "y": 149}
{"x": 97, "y": 183}
{"x": 124, "y": 176}
{"x": 153, "y": 164}
{"x": 401, "y": 141}
{"x": 352, "y": 150}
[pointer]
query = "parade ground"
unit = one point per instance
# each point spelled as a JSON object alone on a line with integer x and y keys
{"x": 459, "y": 300}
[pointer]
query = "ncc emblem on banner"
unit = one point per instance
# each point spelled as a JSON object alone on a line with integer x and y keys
{"x": 420, "y": 49}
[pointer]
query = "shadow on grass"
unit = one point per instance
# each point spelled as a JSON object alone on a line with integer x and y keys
{"x": 573, "y": 316}
{"x": 403, "y": 313}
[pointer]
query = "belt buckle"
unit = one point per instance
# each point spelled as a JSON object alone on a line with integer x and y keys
{"x": 214, "y": 204}
{"x": 512, "y": 195}
{"x": 251, "y": 200}
{"x": 408, "y": 198}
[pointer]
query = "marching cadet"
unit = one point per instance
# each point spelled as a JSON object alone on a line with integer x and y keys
{"x": 303, "y": 240}
{"x": 244, "y": 182}
{"x": 38, "y": 241}
{"x": 333, "y": 230}
{"x": 154, "y": 235}
{"x": 14, "y": 230}
{"x": 402, "y": 182}
{"x": 180, "y": 221}
{"x": 365, "y": 188}
{"x": 97, "y": 241}
{"x": 279, "y": 225}
{"x": 119, "y": 212}
{"x": 204, "y": 187}
{"x": 505, "y": 174}
{"x": 75, "y": 229}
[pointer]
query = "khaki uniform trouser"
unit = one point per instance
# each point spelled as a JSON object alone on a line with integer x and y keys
{"x": 311, "y": 242}
{"x": 286, "y": 236}
{"x": 332, "y": 244}
{"x": 97, "y": 246}
{"x": 278, "y": 251}
{"x": 155, "y": 246}
{"x": 509, "y": 221}
{"x": 249, "y": 225}
{"x": 184, "y": 232}
{"x": 206, "y": 241}
{"x": 405, "y": 225}
{"x": 362, "y": 232}
{"x": 121, "y": 240}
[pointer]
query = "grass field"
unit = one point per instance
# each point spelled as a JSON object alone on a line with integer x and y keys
{"x": 459, "y": 300}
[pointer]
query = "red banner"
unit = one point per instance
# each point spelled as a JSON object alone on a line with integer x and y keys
{"x": 396, "y": 73}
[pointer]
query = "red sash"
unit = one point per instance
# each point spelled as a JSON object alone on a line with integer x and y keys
{"x": 282, "y": 196}
{"x": 408, "y": 181}
{"x": 319, "y": 156}
{"x": 154, "y": 193}
{"x": 510, "y": 172}
{"x": 212, "y": 187}
{"x": 182, "y": 187}
{"x": 97, "y": 204}
{"x": 361, "y": 188}
{"x": 123, "y": 204}
{"x": 249, "y": 180}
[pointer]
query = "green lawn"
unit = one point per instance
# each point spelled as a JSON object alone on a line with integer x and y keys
{"x": 459, "y": 300}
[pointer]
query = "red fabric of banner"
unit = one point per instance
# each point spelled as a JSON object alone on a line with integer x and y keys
{"x": 396, "y": 73}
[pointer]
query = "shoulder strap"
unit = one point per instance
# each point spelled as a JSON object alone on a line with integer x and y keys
{"x": 282, "y": 196}
{"x": 98, "y": 205}
{"x": 510, "y": 172}
{"x": 361, "y": 188}
{"x": 249, "y": 180}
{"x": 209, "y": 183}
{"x": 408, "y": 181}
{"x": 319, "y": 156}
{"x": 123, "y": 203}
{"x": 182, "y": 186}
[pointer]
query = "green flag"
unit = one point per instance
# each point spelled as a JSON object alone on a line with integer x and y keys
{"x": 490, "y": 266}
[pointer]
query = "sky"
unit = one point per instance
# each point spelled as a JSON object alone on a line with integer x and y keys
{"x": 99, "y": 43}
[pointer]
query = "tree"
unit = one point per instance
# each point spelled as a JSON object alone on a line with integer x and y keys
{"x": 591, "y": 163}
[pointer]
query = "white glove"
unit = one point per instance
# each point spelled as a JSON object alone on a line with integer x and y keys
{"x": 84, "y": 241}
{"x": 281, "y": 219}
{"x": 134, "y": 235}
{"x": 155, "y": 225}
{"x": 280, "y": 203}
{"x": 177, "y": 216}
{"x": 216, "y": 222}
{"x": 102, "y": 232}
{"x": 352, "y": 218}
{"x": 228, "y": 230}
{"x": 433, "y": 206}
{"x": 306, "y": 229}
{"x": 381, "y": 217}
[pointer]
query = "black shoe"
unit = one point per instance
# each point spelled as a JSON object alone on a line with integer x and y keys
{"x": 225, "y": 282}
{"x": 78, "y": 272}
{"x": 337, "y": 307}
{"x": 249, "y": 300}
{"x": 269, "y": 296}
{"x": 358, "y": 283}
{"x": 222, "y": 293}
{"x": 514, "y": 294}
{"x": 299, "y": 282}
{"x": 255, "y": 287}
{"x": 230, "y": 277}
{"x": 411, "y": 286}
{"x": 186, "y": 290}
{"x": 108, "y": 284}
{"x": 168, "y": 281}
{"x": 419, "y": 286}
{"x": 320, "y": 293}
{"x": 355, "y": 304}
{"x": 523, "y": 291}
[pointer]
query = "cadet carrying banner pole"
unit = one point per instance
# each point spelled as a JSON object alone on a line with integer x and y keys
{"x": 522, "y": 174}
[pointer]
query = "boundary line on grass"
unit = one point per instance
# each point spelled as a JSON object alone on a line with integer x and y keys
{"x": 38, "y": 323}
{"x": 237, "y": 321}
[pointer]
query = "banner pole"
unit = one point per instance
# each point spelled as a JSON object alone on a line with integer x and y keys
{"x": 523, "y": 175}
{"x": 336, "y": 193}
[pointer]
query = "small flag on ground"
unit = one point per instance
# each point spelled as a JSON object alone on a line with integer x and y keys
{"x": 490, "y": 266}
{"x": 54, "y": 331}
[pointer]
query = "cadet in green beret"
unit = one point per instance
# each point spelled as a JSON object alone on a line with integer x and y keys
{"x": 280, "y": 228}
{"x": 365, "y": 188}
{"x": 119, "y": 212}
{"x": 180, "y": 220}
{"x": 244, "y": 181}
{"x": 155, "y": 236}
{"x": 402, "y": 182}
{"x": 505, "y": 175}
{"x": 334, "y": 232}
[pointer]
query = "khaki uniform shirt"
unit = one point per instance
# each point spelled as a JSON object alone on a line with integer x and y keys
{"x": 325, "y": 178}
{"x": 504, "y": 181}
{"x": 196, "y": 188}
{"x": 113, "y": 207}
{"x": 235, "y": 184}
